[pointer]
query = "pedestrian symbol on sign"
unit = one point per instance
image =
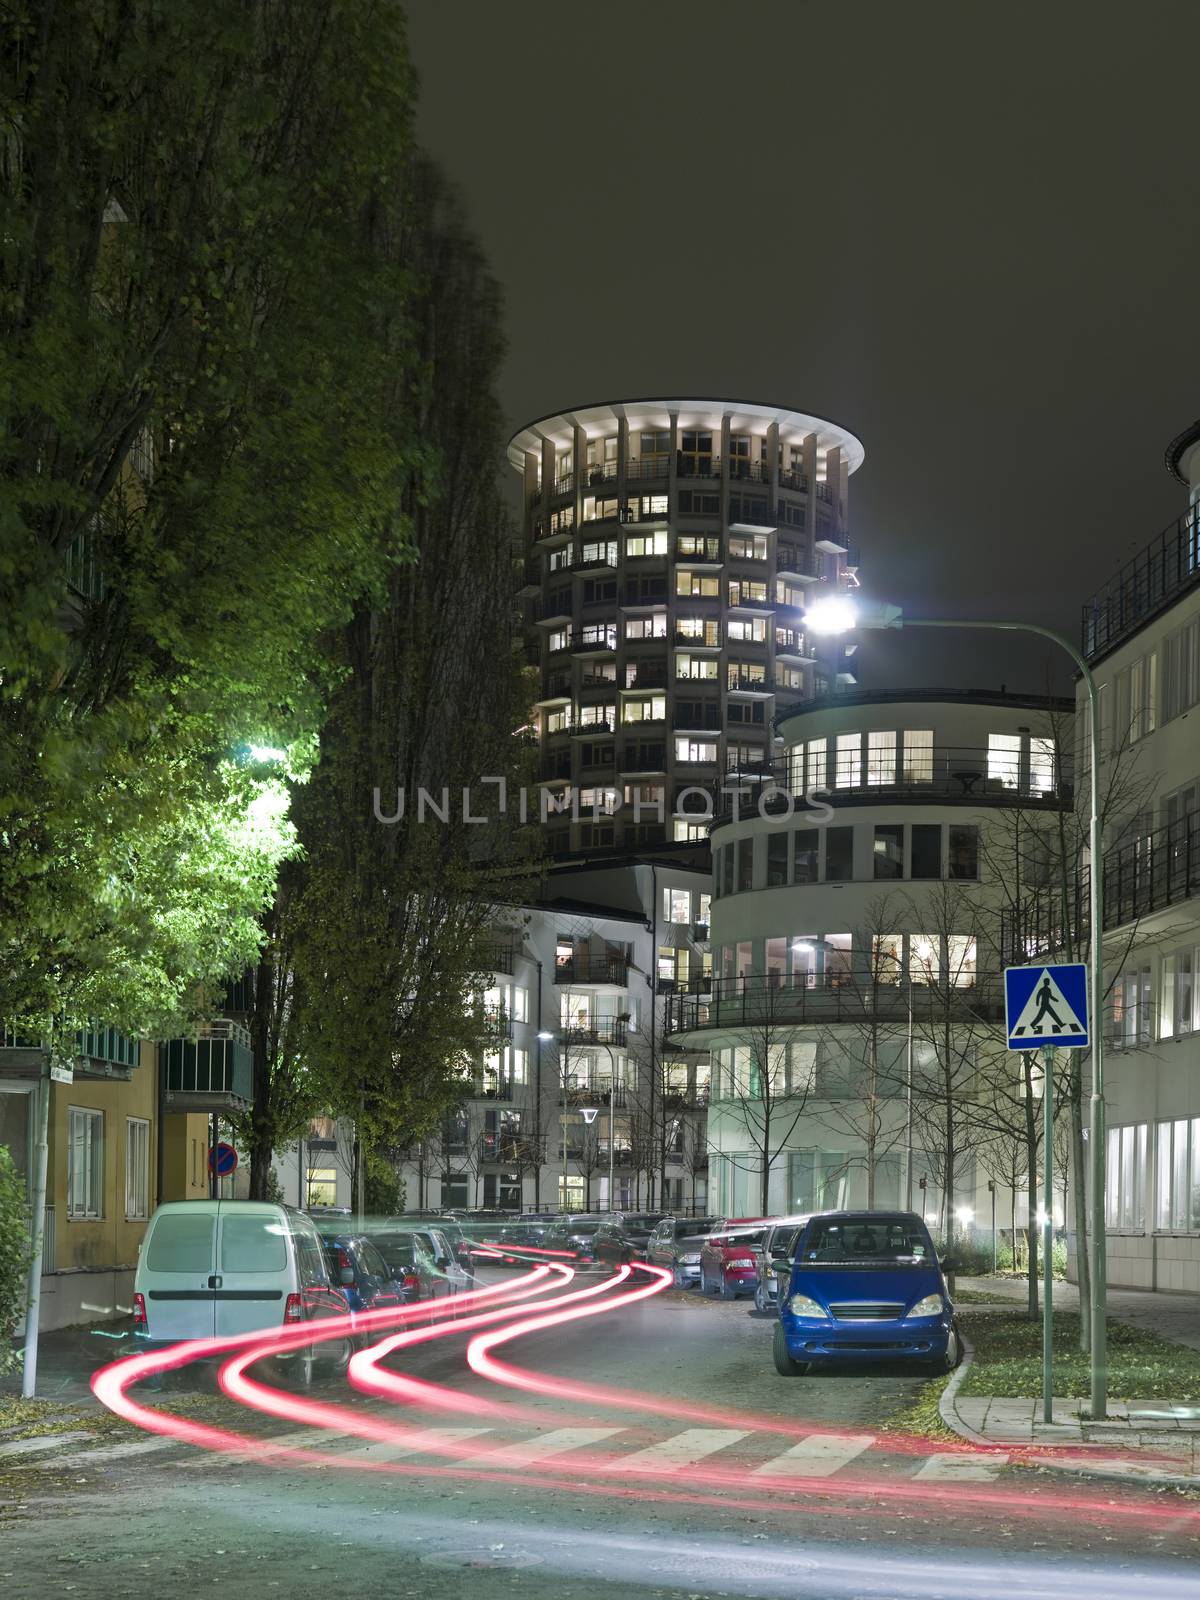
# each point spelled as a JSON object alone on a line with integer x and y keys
{"x": 1046, "y": 1005}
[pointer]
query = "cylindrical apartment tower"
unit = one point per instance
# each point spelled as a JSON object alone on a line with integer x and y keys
{"x": 672, "y": 547}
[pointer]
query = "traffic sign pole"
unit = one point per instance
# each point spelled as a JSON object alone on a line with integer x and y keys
{"x": 1048, "y": 1237}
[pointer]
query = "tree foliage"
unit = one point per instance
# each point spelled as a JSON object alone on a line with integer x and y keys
{"x": 14, "y": 1254}
{"x": 201, "y": 471}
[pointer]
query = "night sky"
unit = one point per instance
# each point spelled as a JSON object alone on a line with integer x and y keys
{"x": 967, "y": 232}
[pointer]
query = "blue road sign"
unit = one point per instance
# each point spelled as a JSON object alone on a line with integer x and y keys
{"x": 224, "y": 1159}
{"x": 1046, "y": 1005}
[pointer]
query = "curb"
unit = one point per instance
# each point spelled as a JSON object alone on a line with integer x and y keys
{"x": 948, "y": 1412}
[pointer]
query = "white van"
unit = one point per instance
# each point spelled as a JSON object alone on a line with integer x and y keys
{"x": 211, "y": 1268}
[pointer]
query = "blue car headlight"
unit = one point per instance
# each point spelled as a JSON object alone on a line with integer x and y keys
{"x": 800, "y": 1305}
{"x": 932, "y": 1306}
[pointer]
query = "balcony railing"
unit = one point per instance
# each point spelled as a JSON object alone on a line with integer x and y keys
{"x": 592, "y": 1093}
{"x": 1158, "y": 575}
{"x": 653, "y": 469}
{"x": 600, "y": 1030}
{"x": 793, "y": 480}
{"x": 100, "y": 1047}
{"x": 795, "y": 558}
{"x": 799, "y": 999}
{"x": 487, "y": 1086}
{"x": 599, "y": 472}
{"x": 692, "y": 1099}
{"x": 498, "y": 1023}
{"x": 213, "y": 1072}
{"x": 960, "y": 774}
{"x": 1146, "y": 874}
{"x": 586, "y": 968}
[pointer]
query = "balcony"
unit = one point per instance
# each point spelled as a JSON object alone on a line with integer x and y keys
{"x": 600, "y": 1030}
{"x": 745, "y": 684}
{"x": 821, "y": 999}
{"x": 1157, "y": 576}
{"x": 598, "y": 473}
{"x": 698, "y": 552}
{"x": 506, "y": 1149}
{"x": 693, "y": 641}
{"x": 498, "y": 1023}
{"x": 593, "y": 1093}
{"x": 487, "y": 1086}
{"x": 97, "y": 1051}
{"x": 213, "y": 1072}
{"x": 593, "y": 641}
{"x": 655, "y": 469}
{"x": 585, "y": 969}
{"x": 946, "y": 774}
{"x": 796, "y": 481}
{"x": 647, "y": 675}
{"x": 608, "y": 726}
{"x": 690, "y": 1099}
{"x": 796, "y": 560}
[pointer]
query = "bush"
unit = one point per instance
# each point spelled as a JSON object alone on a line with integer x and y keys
{"x": 16, "y": 1247}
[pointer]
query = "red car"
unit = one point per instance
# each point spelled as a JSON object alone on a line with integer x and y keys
{"x": 728, "y": 1266}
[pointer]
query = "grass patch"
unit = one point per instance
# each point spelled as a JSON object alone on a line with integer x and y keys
{"x": 1141, "y": 1366}
{"x": 923, "y": 1417}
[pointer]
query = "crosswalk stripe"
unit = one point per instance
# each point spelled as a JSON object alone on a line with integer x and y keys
{"x": 49, "y": 1441}
{"x": 428, "y": 1440}
{"x": 672, "y": 1455}
{"x": 548, "y": 1444}
{"x": 962, "y": 1468}
{"x": 817, "y": 1456}
{"x": 103, "y": 1453}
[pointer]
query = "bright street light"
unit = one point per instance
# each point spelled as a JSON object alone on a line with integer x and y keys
{"x": 964, "y": 1214}
{"x": 544, "y": 1036}
{"x": 832, "y": 614}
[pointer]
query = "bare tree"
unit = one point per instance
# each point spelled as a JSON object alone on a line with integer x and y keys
{"x": 765, "y": 1096}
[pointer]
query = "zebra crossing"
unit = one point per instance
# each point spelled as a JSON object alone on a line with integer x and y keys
{"x": 612, "y": 1450}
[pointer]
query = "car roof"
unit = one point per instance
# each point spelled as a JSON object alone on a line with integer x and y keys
{"x": 867, "y": 1216}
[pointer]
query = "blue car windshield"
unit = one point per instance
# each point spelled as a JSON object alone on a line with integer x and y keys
{"x": 856, "y": 1241}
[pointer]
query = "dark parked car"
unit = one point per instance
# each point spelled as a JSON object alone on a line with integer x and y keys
{"x": 408, "y": 1252}
{"x": 676, "y": 1244}
{"x": 364, "y": 1277}
{"x": 459, "y": 1240}
{"x": 575, "y": 1236}
{"x": 625, "y": 1236}
{"x": 775, "y": 1260}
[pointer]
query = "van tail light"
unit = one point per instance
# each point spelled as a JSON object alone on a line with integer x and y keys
{"x": 293, "y": 1311}
{"x": 412, "y": 1281}
{"x": 139, "y": 1313}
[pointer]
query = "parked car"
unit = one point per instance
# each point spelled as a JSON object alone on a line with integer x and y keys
{"x": 363, "y": 1275}
{"x": 409, "y": 1254}
{"x": 210, "y": 1268}
{"x": 774, "y": 1259}
{"x": 452, "y": 1231}
{"x": 625, "y": 1236}
{"x": 574, "y": 1235}
{"x": 728, "y": 1265}
{"x": 866, "y": 1286}
{"x": 676, "y": 1243}
{"x": 437, "y": 1247}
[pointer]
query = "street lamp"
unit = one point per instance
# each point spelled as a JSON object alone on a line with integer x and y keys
{"x": 838, "y": 614}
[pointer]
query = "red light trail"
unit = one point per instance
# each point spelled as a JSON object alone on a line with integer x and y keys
{"x": 497, "y": 1317}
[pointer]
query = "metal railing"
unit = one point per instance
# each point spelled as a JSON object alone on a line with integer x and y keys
{"x": 484, "y": 1086}
{"x": 793, "y": 480}
{"x": 594, "y": 1092}
{"x": 795, "y": 999}
{"x": 1146, "y": 874}
{"x": 602, "y": 1030}
{"x": 587, "y": 968}
{"x": 946, "y": 773}
{"x": 1168, "y": 567}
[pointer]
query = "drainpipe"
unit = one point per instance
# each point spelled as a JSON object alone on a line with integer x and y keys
{"x": 34, "y": 1302}
{"x": 653, "y": 976}
{"x": 537, "y": 1115}
{"x": 160, "y": 1130}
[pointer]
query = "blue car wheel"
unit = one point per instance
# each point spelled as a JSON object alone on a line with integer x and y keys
{"x": 785, "y": 1365}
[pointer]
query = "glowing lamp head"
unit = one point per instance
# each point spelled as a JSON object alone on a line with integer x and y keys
{"x": 803, "y": 947}
{"x": 544, "y": 1036}
{"x": 831, "y": 614}
{"x": 964, "y": 1214}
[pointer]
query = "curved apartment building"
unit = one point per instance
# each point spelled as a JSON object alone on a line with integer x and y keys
{"x": 856, "y": 951}
{"x": 672, "y": 547}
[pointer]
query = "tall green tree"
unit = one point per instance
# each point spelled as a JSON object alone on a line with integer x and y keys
{"x": 395, "y": 914}
{"x": 199, "y": 474}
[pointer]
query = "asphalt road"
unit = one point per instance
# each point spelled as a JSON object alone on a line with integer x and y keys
{"x": 748, "y": 1503}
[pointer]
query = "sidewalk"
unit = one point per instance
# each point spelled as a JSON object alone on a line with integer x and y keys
{"x": 1155, "y": 1441}
{"x": 67, "y": 1357}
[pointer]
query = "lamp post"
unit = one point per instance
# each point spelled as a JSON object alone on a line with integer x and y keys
{"x": 838, "y": 615}
{"x": 546, "y": 1037}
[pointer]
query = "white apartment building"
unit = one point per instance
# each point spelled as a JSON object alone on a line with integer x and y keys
{"x": 576, "y": 993}
{"x": 855, "y": 955}
{"x": 1141, "y": 636}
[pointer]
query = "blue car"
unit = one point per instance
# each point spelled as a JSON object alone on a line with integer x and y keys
{"x": 865, "y": 1286}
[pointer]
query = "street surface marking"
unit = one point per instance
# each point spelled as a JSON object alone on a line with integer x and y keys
{"x": 962, "y": 1468}
{"x": 23, "y": 1447}
{"x": 428, "y": 1440}
{"x": 110, "y": 1452}
{"x": 531, "y": 1450}
{"x": 673, "y": 1454}
{"x": 817, "y": 1456}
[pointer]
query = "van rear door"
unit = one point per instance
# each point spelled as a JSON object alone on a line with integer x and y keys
{"x": 176, "y": 1274}
{"x": 255, "y": 1268}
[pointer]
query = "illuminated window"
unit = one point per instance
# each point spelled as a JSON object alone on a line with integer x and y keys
{"x": 677, "y": 905}
{"x": 697, "y": 584}
{"x": 881, "y": 758}
{"x": 1042, "y": 764}
{"x": 322, "y": 1186}
{"x": 847, "y": 772}
{"x": 816, "y": 764}
{"x": 918, "y": 755}
{"x": 651, "y": 627}
{"x": 751, "y": 630}
{"x": 688, "y": 749}
{"x": 696, "y": 666}
{"x": 653, "y": 708}
{"x": 647, "y": 544}
{"x": 558, "y": 719}
{"x": 1125, "y": 1186}
{"x": 1004, "y": 759}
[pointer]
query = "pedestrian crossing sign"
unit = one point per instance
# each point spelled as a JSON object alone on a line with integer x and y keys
{"x": 1046, "y": 1005}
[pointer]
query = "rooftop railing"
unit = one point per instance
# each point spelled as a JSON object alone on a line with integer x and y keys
{"x": 799, "y": 999}
{"x": 1158, "y": 575}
